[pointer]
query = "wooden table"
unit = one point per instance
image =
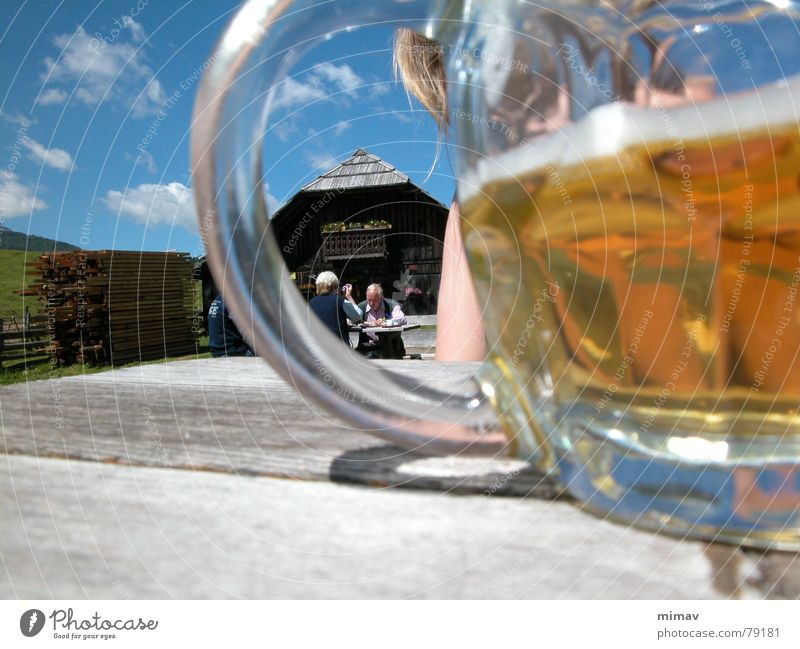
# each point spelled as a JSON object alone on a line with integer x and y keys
{"x": 389, "y": 338}
{"x": 215, "y": 479}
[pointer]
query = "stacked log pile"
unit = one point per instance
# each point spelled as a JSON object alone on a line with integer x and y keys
{"x": 116, "y": 307}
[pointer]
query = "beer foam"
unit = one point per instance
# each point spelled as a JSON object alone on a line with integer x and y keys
{"x": 608, "y": 130}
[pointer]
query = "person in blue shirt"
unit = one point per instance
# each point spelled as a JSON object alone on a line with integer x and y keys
{"x": 332, "y": 308}
{"x": 224, "y": 338}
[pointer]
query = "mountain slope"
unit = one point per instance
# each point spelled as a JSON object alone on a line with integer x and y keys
{"x": 13, "y": 240}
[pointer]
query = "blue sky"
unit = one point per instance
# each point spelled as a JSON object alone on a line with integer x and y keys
{"x": 96, "y": 105}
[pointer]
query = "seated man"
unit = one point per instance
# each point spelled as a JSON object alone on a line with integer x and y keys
{"x": 224, "y": 338}
{"x": 332, "y": 308}
{"x": 377, "y": 310}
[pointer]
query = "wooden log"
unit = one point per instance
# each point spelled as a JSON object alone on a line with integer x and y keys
{"x": 92, "y": 295}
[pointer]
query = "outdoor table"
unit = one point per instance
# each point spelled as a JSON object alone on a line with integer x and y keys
{"x": 389, "y": 338}
{"x": 215, "y": 478}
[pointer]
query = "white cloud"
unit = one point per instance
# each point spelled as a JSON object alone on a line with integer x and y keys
{"x": 17, "y": 199}
{"x": 379, "y": 89}
{"x": 321, "y": 82}
{"x": 285, "y": 129}
{"x": 56, "y": 158}
{"x": 52, "y": 96}
{"x": 341, "y": 76}
{"x": 405, "y": 117}
{"x": 137, "y": 31}
{"x": 293, "y": 93}
{"x": 17, "y": 119}
{"x": 156, "y": 204}
{"x": 321, "y": 160}
{"x": 341, "y": 127}
{"x": 152, "y": 98}
{"x": 94, "y": 70}
{"x": 146, "y": 160}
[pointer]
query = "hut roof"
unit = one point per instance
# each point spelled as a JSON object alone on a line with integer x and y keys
{"x": 362, "y": 174}
{"x": 362, "y": 170}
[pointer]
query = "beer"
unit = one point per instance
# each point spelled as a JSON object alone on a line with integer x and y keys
{"x": 671, "y": 267}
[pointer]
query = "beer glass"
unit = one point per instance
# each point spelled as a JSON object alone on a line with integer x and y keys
{"x": 629, "y": 179}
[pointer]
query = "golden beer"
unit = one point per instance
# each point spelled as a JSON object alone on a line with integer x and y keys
{"x": 656, "y": 285}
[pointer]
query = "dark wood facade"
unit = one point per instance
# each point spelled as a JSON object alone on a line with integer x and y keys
{"x": 403, "y": 243}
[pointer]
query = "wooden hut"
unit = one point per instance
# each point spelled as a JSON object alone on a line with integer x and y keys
{"x": 367, "y": 222}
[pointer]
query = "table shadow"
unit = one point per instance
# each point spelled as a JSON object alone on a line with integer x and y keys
{"x": 390, "y": 466}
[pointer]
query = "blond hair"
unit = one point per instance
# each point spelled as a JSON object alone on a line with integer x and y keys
{"x": 419, "y": 62}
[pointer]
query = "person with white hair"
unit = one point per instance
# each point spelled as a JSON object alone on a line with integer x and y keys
{"x": 333, "y": 309}
{"x": 377, "y": 311}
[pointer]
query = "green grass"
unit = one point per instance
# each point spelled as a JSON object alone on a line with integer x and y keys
{"x": 41, "y": 370}
{"x": 13, "y": 277}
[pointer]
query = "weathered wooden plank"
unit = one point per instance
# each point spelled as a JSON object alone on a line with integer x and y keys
{"x": 88, "y": 530}
{"x": 235, "y": 416}
{"x": 255, "y": 374}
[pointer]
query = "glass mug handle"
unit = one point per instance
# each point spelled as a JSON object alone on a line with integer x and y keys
{"x": 229, "y": 124}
